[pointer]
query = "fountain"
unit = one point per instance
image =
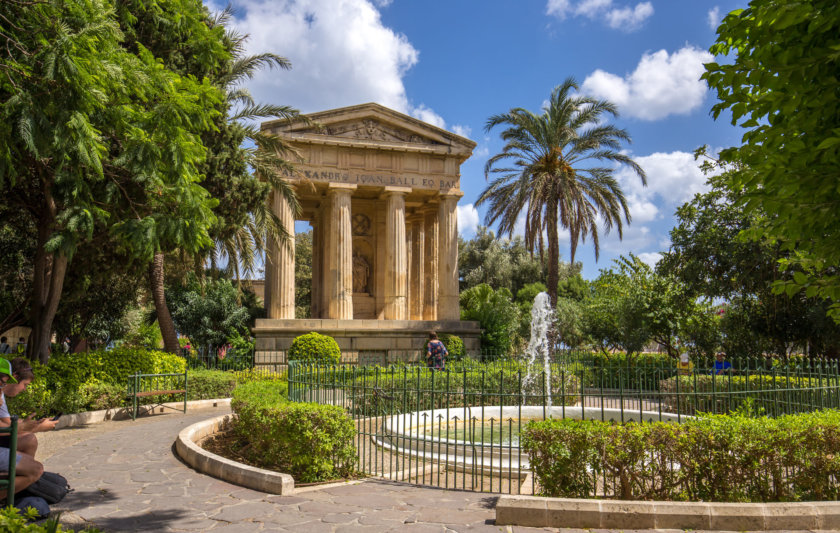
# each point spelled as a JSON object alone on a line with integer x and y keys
{"x": 421, "y": 434}
{"x": 542, "y": 317}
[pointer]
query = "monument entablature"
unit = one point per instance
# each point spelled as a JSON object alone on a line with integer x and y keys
{"x": 380, "y": 190}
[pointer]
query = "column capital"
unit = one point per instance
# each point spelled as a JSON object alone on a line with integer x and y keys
{"x": 451, "y": 193}
{"x": 388, "y": 191}
{"x": 335, "y": 188}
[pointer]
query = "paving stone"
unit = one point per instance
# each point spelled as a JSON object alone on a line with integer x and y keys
{"x": 285, "y": 517}
{"x": 450, "y": 516}
{"x": 322, "y": 508}
{"x": 192, "y": 524}
{"x": 284, "y": 500}
{"x": 314, "y": 526}
{"x": 386, "y": 517}
{"x": 244, "y": 511}
{"x": 239, "y": 527}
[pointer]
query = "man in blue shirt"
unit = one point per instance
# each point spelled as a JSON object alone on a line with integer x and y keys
{"x": 721, "y": 365}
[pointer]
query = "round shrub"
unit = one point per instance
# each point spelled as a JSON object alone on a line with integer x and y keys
{"x": 316, "y": 348}
{"x": 309, "y": 441}
{"x": 454, "y": 345}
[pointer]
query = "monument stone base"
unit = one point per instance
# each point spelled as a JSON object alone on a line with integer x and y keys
{"x": 362, "y": 342}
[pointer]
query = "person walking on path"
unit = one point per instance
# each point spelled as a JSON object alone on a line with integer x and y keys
{"x": 5, "y": 347}
{"x": 436, "y": 353}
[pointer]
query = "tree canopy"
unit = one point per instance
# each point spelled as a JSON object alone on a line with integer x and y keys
{"x": 96, "y": 133}
{"x": 781, "y": 86}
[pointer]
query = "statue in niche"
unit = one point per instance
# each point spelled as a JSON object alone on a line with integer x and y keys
{"x": 361, "y": 273}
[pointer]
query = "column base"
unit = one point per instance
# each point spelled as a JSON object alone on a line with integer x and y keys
{"x": 362, "y": 342}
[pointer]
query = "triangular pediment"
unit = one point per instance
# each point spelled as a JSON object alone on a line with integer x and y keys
{"x": 371, "y": 123}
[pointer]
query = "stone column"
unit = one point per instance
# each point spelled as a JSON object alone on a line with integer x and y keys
{"x": 281, "y": 277}
{"x": 430, "y": 270}
{"x": 317, "y": 256}
{"x": 340, "y": 268}
{"x": 418, "y": 261}
{"x": 396, "y": 254}
{"x": 448, "y": 305}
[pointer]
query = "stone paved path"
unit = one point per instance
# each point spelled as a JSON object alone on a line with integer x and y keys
{"x": 129, "y": 479}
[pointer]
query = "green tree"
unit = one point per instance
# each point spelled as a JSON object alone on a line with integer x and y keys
{"x": 209, "y": 313}
{"x": 303, "y": 275}
{"x": 498, "y": 262}
{"x": 93, "y": 132}
{"x": 497, "y": 315}
{"x": 631, "y": 304}
{"x": 709, "y": 256}
{"x": 552, "y": 170}
{"x": 781, "y": 86}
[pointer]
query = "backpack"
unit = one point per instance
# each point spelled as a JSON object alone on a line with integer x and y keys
{"x": 50, "y": 486}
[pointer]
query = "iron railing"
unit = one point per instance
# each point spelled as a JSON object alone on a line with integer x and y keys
{"x": 459, "y": 428}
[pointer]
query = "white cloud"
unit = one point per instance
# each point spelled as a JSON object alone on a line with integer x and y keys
{"x": 624, "y": 18}
{"x": 463, "y": 131}
{"x": 341, "y": 53}
{"x": 427, "y": 115}
{"x": 714, "y": 17}
{"x": 673, "y": 179}
{"x": 651, "y": 258}
{"x": 662, "y": 84}
{"x": 467, "y": 220}
{"x": 629, "y": 19}
{"x": 558, "y": 8}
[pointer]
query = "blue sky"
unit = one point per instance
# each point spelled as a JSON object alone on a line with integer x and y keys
{"x": 455, "y": 63}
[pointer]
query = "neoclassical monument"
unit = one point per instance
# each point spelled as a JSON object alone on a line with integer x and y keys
{"x": 380, "y": 190}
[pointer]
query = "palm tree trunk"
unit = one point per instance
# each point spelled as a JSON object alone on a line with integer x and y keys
{"x": 553, "y": 253}
{"x": 167, "y": 327}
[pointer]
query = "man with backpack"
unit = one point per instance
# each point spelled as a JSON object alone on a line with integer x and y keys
{"x": 27, "y": 469}
{"x": 5, "y": 347}
{"x": 27, "y": 442}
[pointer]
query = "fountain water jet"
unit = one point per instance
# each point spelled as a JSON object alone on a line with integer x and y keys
{"x": 542, "y": 318}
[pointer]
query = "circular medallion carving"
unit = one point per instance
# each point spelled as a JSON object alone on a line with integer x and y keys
{"x": 361, "y": 225}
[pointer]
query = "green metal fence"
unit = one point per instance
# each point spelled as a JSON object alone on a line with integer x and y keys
{"x": 459, "y": 428}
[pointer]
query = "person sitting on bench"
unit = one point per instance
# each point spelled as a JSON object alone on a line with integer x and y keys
{"x": 27, "y": 469}
{"x": 27, "y": 442}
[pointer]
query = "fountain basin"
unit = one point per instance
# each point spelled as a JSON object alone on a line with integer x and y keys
{"x": 425, "y": 435}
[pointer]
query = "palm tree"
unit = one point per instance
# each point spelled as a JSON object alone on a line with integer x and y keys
{"x": 243, "y": 167}
{"x": 244, "y": 230}
{"x": 552, "y": 169}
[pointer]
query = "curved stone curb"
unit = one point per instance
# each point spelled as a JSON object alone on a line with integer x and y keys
{"x": 123, "y": 413}
{"x": 536, "y": 511}
{"x": 225, "y": 469}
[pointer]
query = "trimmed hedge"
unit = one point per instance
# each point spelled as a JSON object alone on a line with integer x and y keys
{"x": 398, "y": 390}
{"x": 310, "y": 442}
{"x": 642, "y": 371}
{"x": 774, "y": 394}
{"x": 89, "y": 381}
{"x": 712, "y": 458}
{"x": 454, "y": 345}
{"x": 314, "y": 347}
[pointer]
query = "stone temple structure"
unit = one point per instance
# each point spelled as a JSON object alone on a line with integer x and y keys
{"x": 380, "y": 190}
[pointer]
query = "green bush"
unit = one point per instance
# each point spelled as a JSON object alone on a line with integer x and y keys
{"x": 711, "y": 458}
{"x": 314, "y": 347}
{"x": 470, "y": 383}
{"x": 210, "y": 384}
{"x": 14, "y": 521}
{"x": 96, "y": 395}
{"x": 310, "y": 442}
{"x": 770, "y": 393}
{"x": 642, "y": 371}
{"x": 76, "y": 382}
{"x": 454, "y": 345}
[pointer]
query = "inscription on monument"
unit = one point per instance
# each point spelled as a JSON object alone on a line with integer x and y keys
{"x": 357, "y": 178}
